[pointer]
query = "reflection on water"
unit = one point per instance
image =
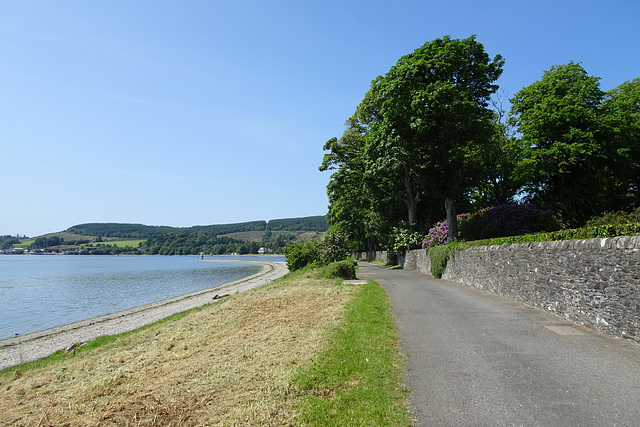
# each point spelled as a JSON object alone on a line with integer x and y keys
{"x": 41, "y": 292}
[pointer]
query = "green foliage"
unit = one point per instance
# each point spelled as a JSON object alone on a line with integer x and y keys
{"x": 7, "y": 242}
{"x": 621, "y": 118}
{"x": 357, "y": 207}
{"x": 137, "y": 231}
{"x": 46, "y": 242}
{"x": 429, "y": 119}
{"x": 356, "y": 381}
{"x": 587, "y": 232}
{"x": 506, "y": 220}
{"x": 617, "y": 218}
{"x": 332, "y": 247}
{"x": 580, "y": 146}
{"x": 414, "y": 140}
{"x": 439, "y": 256}
{"x": 405, "y": 238}
{"x": 299, "y": 255}
{"x": 229, "y": 228}
{"x": 345, "y": 269}
{"x": 497, "y": 184}
{"x": 190, "y": 243}
{"x": 310, "y": 223}
{"x": 140, "y": 231}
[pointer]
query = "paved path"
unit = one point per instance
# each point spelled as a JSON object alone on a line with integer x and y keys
{"x": 478, "y": 359}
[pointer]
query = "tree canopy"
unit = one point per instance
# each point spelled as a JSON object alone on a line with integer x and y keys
{"x": 425, "y": 133}
{"x": 414, "y": 135}
{"x": 578, "y": 146}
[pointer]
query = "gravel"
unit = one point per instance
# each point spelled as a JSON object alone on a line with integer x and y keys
{"x": 34, "y": 346}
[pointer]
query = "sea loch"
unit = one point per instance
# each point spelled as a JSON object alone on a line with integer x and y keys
{"x": 41, "y": 292}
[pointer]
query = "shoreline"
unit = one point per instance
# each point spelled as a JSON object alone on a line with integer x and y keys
{"x": 36, "y": 345}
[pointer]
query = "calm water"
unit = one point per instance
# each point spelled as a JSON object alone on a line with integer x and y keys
{"x": 41, "y": 292}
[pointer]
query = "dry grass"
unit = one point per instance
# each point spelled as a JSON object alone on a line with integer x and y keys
{"x": 227, "y": 364}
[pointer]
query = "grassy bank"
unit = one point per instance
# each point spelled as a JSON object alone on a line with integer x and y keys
{"x": 302, "y": 351}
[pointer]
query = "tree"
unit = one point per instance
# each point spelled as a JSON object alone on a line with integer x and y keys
{"x": 423, "y": 118}
{"x": 564, "y": 162}
{"x": 497, "y": 159}
{"x": 357, "y": 206}
{"x": 621, "y": 108}
{"x": 346, "y": 189}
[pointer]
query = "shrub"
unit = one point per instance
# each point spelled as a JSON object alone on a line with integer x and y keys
{"x": 507, "y": 220}
{"x": 602, "y": 231}
{"x": 405, "y": 239}
{"x": 615, "y": 218}
{"x": 345, "y": 269}
{"x": 299, "y": 255}
{"x": 332, "y": 247}
{"x": 499, "y": 221}
{"x": 439, "y": 256}
{"x": 438, "y": 234}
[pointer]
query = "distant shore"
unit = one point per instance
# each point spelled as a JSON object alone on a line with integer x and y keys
{"x": 26, "y": 348}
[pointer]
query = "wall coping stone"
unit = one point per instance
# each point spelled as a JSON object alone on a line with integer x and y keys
{"x": 621, "y": 242}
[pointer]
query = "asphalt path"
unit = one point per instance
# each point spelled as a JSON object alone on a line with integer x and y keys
{"x": 478, "y": 359}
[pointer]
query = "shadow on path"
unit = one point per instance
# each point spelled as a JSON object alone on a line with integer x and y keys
{"x": 478, "y": 359}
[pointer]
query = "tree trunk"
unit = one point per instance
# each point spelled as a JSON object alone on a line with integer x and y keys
{"x": 413, "y": 197}
{"x": 452, "y": 219}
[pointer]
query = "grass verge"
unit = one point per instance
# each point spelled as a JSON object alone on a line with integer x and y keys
{"x": 255, "y": 358}
{"x": 357, "y": 381}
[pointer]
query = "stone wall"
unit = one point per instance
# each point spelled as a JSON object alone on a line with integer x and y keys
{"x": 416, "y": 260}
{"x": 372, "y": 256}
{"x": 593, "y": 282}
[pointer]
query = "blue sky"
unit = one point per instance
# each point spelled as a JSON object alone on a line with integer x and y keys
{"x": 188, "y": 113}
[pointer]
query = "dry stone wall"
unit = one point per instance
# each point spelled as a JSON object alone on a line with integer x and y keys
{"x": 593, "y": 282}
{"x": 372, "y": 256}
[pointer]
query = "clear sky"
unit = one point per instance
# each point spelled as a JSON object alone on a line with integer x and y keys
{"x": 202, "y": 112}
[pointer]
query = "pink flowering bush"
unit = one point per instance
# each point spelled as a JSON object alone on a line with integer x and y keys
{"x": 438, "y": 234}
{"x": 498, "y": 221}
{"x": 508, "y": 220}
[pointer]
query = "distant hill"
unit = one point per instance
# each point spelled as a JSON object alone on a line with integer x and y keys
{"x": 140, "y": 231}
{"x": 309, "y": 223}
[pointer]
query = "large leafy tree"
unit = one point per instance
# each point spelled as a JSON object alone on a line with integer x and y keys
{"x": 357, "y": 206}
{"x": 565, "y": 162}
{"x": 497, "y": 160}
{"x": 424, "y": 121}
{"x": 621, "y": 116}
{"x": 349, "y": 206}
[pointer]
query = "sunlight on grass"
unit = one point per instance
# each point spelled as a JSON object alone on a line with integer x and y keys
{"x": 301, "y": 351}
{"x": 357, "y": 380}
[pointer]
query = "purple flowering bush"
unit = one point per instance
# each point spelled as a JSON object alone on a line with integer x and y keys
{"x": 507, "y": 220}
{"x": 499, "y": 221}
{"x": 438, "y": 234}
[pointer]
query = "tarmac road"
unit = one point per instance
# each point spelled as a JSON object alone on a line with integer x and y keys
{"x": 478, "y": 359}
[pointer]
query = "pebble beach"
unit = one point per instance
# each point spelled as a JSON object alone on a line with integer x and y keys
{"x": 34, "y": 346}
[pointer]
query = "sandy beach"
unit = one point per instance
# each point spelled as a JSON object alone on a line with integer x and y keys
{"x": 34, "y": 346}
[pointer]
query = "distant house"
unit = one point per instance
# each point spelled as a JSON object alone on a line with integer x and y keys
{"x": 262, "y": 251}
{"x": 60, "y": 250}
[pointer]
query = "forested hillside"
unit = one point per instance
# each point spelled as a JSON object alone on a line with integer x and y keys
{"x": 140, "y": 231}
{"x": 310, "y": 223}
{"x": 128, "y": 231}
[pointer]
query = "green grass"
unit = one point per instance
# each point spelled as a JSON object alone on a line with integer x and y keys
{"x": 119, "y": 243}
{"x": 357, "y": 380}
